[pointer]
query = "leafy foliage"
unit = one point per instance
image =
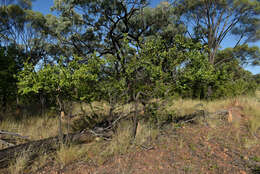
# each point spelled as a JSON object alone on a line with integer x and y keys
{"x": 61, "y": 79}
{"x": 129, "y": 52}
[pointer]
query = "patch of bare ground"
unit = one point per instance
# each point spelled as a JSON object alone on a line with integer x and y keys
{"x": 212, "y": 145}
{"x": 227, "y": 148}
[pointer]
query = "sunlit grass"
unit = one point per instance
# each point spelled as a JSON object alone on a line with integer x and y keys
{"x": 68, "y": 154}
{"x": 33, "y": 127}
{"x": 98, "y": 150}
{"x": 18, "y": 166}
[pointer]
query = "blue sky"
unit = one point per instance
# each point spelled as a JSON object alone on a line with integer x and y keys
{"x": 44, "y": 7}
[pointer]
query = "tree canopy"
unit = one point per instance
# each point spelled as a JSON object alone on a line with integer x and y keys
{"x": 93, "y": 50}
{"x": 212, "y": 21}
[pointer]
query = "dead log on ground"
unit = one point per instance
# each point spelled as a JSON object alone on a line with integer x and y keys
{"x": 11, "y": 138}
{"x": 6, "y": 143}
{"x": 48, "y": 145}
{"x": 14, "y": 134}
{"x": 34, "y": 148}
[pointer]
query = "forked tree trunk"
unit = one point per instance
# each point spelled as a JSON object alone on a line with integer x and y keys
{"x": 62, "y": 114}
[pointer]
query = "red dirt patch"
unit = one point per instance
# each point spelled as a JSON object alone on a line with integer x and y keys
{"x": 193, "y": 149}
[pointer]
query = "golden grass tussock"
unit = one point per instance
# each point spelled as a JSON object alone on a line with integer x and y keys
{"x": 101, "y": 107}
{"x": 121, "y": 142}
{"x": 19, "y": 165}
{"x": 182, "y": 106}
{"x": 40, "y": 162}
{"x": 33, "y": 127}
{"x": 146, "y": 134}
{"x": 252, "y": 112}
{"x": 68, "y": 154}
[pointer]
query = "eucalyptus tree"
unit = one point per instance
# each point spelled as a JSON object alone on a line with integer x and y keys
{"x": 28, "y": 36}
{"x": 87, "y": 26}
{"x": 23, "y": 38}
{"x": 257, "y": 79}
{"x": 213, "y": 21}
{"x": 12, "y": 15}
{"x": 25, "y": 4}
{"x": 83, "y": 27}
{"x": 244, "y": 54}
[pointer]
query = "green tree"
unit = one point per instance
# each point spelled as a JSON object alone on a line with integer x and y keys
{"x": 10, "y": 64}
{"x": 257, "y": 79}
{"x": 142, "y": 77}
{"x": 24, "y": 28}
{"x": 62, "y": 81}
{"x": 213, "y": 20}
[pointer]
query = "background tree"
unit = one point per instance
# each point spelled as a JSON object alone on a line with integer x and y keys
{"x": 212, "y": 21}
{"x": 23, "y": 28}
{"x": 257, "y": 79}
{"x": 10, "y": 64}
{"x": 22, "y": 38}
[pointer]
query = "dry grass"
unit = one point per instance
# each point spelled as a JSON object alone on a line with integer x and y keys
{"x": 96, "y": 107}
{"x": 68, "y": 154}
{"x": 188, "y": 106}
{"x": 120, "y": 144}
{"x": 146, "y": 134}
{"x": 43, "y": 127}
{"x": 20, "y": 164}
{"x": 99, "y": 151}
{"x": 33, "y": 127}
{"x": 40, "y": 162}
{"x": 249, "y": 142}
{"x": 251, "y": 110}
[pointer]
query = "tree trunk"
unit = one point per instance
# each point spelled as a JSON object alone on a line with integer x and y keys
{"x": 134, "y": 118}
{"x": 42, "y": 100}
{"x": 62, "y": 114}
{"x": 4, "y": 105}
{"x": 209, "y": 92}
{"x": 135, "y": 125}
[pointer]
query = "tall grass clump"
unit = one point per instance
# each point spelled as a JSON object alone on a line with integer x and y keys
{"x": 68, "y": 154}
{"x": 21, "y": 162}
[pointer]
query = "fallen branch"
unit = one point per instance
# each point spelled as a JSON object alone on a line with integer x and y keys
{"x": 14, "y": 134}
{"x": 189, "y": 117}
{"x": 6, "y": 143}
{"x": 145, "y": 148}
{"x": 34, "y": 148}
{"x": 102, "y": 135}
{"x": 112, "y": 125}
